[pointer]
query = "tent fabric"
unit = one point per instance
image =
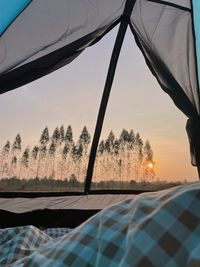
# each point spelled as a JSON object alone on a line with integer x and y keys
{"x": 9, "y": 11}
{"x": 67, "y": 211}
{"x": 165, "y": 35}
{"x": 182, "y": 3}
{"x": 196, "y": 10}
{"x": 52, "y": 28}
{"x": 21, "y": 205}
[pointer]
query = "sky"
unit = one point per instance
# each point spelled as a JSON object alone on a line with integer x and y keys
{"x": 72, "y": 96}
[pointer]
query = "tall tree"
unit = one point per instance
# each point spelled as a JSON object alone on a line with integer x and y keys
{"x": 44, "y": 138}
{"x": 25, "y": 161}
{"x": 69, "y": 142}
{"x": 6, "y": 149}
{"x": 77, "y": 153}
{"x": 123, "y": 165}
{"x": 34, "y": 153}
{"x": 148, "y": 161}
{"x": 62, "y": 134}
{"x": 65, "y": 152}
{"x": 109, "y": 143}
{"x": 13, "y": 166}
{"x": 69, "y": 135}
{"x": 56, "y": 136}
{"x": 52, "y": 152}
{"x": 56, "y": 140}
{"x": 116, "y": 147}
{"x": 131, "y": 140}
{"x": 148, "y": 153}
{"x": 124, "y": 138}
{"x": 60, "y": 147}
{"x": 16, "y": 150}
{"x": 139, "y": 155}
{"x": 116, "y": 166}
{"x": 101, "y": 147}
{"x": 109, "y": 149}
{"x": 17, "y": 145}
{"x": 84, "y": 139}
{"x": 34, "y": 157}
{"x": 139, "y": 143}
{"x": 5, "y": 155}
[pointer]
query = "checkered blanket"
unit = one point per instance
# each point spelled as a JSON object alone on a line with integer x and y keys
{"x": 57, "y": 232}
{"x": 157, "y": 229}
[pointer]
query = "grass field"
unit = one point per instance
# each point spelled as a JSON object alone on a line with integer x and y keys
{"x": 47, "y": 185}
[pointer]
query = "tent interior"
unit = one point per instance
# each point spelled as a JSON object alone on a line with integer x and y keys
{"x": 66, "y": 205}
{"x": 49, "y": 205}
{"x": 71, "y": 175}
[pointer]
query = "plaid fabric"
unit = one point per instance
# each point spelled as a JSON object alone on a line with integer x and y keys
{"x": 157, "y": 229}
{"x": 57, "y": 232}
{"x": 16, "y": 243}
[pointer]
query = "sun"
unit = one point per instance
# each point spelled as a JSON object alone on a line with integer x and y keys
{"x": 150, "y": 165}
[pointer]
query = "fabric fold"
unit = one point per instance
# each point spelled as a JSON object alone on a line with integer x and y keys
{"x": 193, "y": 132}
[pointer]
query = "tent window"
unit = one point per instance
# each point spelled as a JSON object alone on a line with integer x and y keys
{"x": 54, "y": 159}
{"x": 124, "y": 159}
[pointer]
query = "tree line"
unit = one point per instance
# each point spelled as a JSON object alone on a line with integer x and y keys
{"x": 59, "y": 156}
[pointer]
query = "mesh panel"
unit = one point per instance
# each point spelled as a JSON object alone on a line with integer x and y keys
{"x": 165, "y": 35}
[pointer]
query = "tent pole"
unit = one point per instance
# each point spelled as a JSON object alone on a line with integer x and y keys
{"x": 107, "y": 88}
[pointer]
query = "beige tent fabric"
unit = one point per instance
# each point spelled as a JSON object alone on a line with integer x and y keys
{"x": 20, "y": 205}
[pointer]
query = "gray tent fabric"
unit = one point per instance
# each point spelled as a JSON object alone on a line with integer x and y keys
{"x": 49, "y": 34}
{"x": 47, "y": 26}
{"x": 165, "y": 35}
{"x": 181, "y": 3}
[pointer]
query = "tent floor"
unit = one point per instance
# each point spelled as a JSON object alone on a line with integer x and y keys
{"x": 65, "y": 211}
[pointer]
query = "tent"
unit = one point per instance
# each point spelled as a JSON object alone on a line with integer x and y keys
{"x": 39, "y": 37}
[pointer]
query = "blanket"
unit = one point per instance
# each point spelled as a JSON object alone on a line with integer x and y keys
{"x": 154, "y": 229}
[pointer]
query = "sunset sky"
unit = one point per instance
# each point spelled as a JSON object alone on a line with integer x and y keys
{"x": 72, "y": 95}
